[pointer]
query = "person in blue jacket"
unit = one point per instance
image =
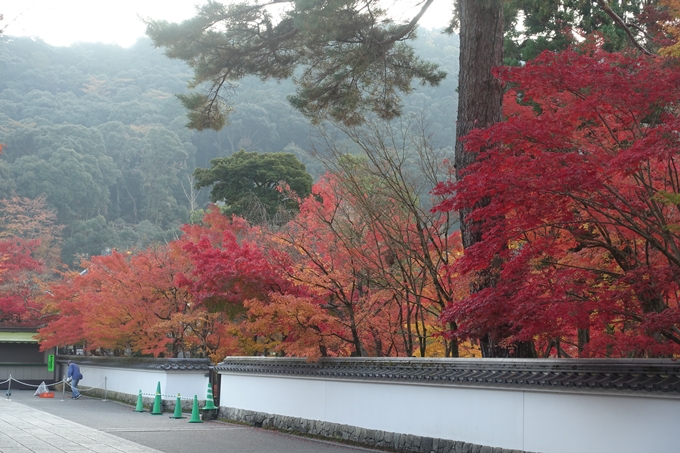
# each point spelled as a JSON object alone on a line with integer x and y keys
{"x": 74, "y": 376}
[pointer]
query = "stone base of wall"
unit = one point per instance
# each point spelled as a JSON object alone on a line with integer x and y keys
{"x": 368, "y": 437}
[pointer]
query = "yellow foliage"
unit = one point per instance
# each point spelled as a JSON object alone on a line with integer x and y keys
{"x": 672, "y": 27}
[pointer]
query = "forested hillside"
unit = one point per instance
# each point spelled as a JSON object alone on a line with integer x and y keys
{"x": 96, "y": 133}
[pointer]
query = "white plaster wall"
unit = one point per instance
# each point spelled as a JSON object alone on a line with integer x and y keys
{"x": 489, "y": 418}
{"x": 568, "y": 423}
{"x": 547, "y": 422}
{"x": 294, "y": 397}
{"x": 131, "y": 381}
{"x": 187, "y": 384}
{"x": 122, "y": 379}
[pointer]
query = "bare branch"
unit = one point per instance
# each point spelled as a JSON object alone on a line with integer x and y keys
{"x": 615, "y": 17}
{"x": 408, "y": 28}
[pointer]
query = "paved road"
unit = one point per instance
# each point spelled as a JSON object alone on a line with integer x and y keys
{"x": 44, "y": 425}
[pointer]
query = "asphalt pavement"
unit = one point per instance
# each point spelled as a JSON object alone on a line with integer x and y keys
{"x": 46, "y": 425}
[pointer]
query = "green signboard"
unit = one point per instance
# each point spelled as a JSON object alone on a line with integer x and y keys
{"x": 50, "y": 362}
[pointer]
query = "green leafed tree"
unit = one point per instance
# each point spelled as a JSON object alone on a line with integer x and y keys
{"x": 537, "y": 25}
{"x": 255, "y": 185}
{"x": 71, "y": 182}
{"x": 347, "y": 57}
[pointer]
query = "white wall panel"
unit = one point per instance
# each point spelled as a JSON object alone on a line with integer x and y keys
{"x": 304, "y": 398}
{"x": 548, "y": 422}
{"x": 131, "y": 381}
{"x": 567, "y": 423}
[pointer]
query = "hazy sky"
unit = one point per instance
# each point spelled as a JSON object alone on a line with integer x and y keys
{"x": 63, "y": 22}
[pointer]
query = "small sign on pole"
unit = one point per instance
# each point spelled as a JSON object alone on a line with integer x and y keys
{"x": 50, "y": 362}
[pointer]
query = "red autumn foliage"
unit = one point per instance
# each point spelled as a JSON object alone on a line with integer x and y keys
{"x": 32, "y": 219}
{"x": 316, "y": 287}
{"x": 358, "y": 285}
{"x": 20, "y": 287}
{"x": 336, "y": 308}
{"x": 583, "y": 214}
{"x": 140, "y": 302}
{"x": 229, "y": 265}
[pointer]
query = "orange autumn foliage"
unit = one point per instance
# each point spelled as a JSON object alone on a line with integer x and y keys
{"x": 136, "y": 303}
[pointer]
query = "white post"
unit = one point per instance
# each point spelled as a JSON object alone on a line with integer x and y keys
{"x": 105, "y": 382}
{"x": 63, "y": 388}
{"x": 9, "y": 388}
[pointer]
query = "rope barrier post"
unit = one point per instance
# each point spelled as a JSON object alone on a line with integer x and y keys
{"x": 9, "y": 388}
{"x": 63, "y": 388}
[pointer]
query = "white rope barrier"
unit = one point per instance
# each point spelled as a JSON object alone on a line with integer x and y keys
{"x": 67, "y": 382}
{"x": 23, "y": 383}
{"x": 169, "y": 396}
{"x": 30, "y": 385}
{"x": 86, "y": 388}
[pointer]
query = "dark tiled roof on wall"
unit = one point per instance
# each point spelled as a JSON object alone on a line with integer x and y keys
{"x": 139, "y": 362}
{"x": 661, "y": 376}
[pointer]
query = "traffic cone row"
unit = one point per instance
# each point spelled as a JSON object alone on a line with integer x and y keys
{"x": 195, "y": 414}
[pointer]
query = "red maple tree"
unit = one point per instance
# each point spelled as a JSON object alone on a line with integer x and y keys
{"x": 350, "y": 277}
{"x": 583, "y": 213}
{"x": 29, "y": 259}
{"x": 20, "y": 286}
{"x": 142, "y": 303}
{"x": 232, "y": 271}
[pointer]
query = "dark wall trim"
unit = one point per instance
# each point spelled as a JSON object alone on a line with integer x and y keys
{"x": 661, "y": 376}
{"x": 143, "y": 363}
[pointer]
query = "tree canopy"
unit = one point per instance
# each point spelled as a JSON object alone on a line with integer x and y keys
{"x": 547, "y": 25}
{"x": 247, "y": 182}
{"x": 534, "y": 26}
{"x": 346, "y": 57}
{"x": 582, "y": 187}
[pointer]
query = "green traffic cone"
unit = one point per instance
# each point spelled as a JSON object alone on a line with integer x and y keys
{"x": 140, "y": 403}
{"x": 178, "y": 409}
{"x": 209, "y": 401}
{"x": 157, "y": 401}
{"x": 195, "y": 416}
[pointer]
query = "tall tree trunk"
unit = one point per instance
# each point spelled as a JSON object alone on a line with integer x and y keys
{"x": 480, "y": 102}
{"x": 452, "y": 344}
{"x": 583, "y": 339}
{"x": 480, "y": 94}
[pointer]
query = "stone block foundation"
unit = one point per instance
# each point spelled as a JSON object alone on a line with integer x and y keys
{"x": 406, "y": 443}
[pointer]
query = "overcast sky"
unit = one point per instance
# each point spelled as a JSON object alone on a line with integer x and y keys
{"x": 63, "y": 22}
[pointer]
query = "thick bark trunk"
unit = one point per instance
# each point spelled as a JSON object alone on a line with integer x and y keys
{"x": 480, "y": 101}
{"x": 524, "y": 349}
{"x": 452, "y": 344}
{"x": 480, "y": 94}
